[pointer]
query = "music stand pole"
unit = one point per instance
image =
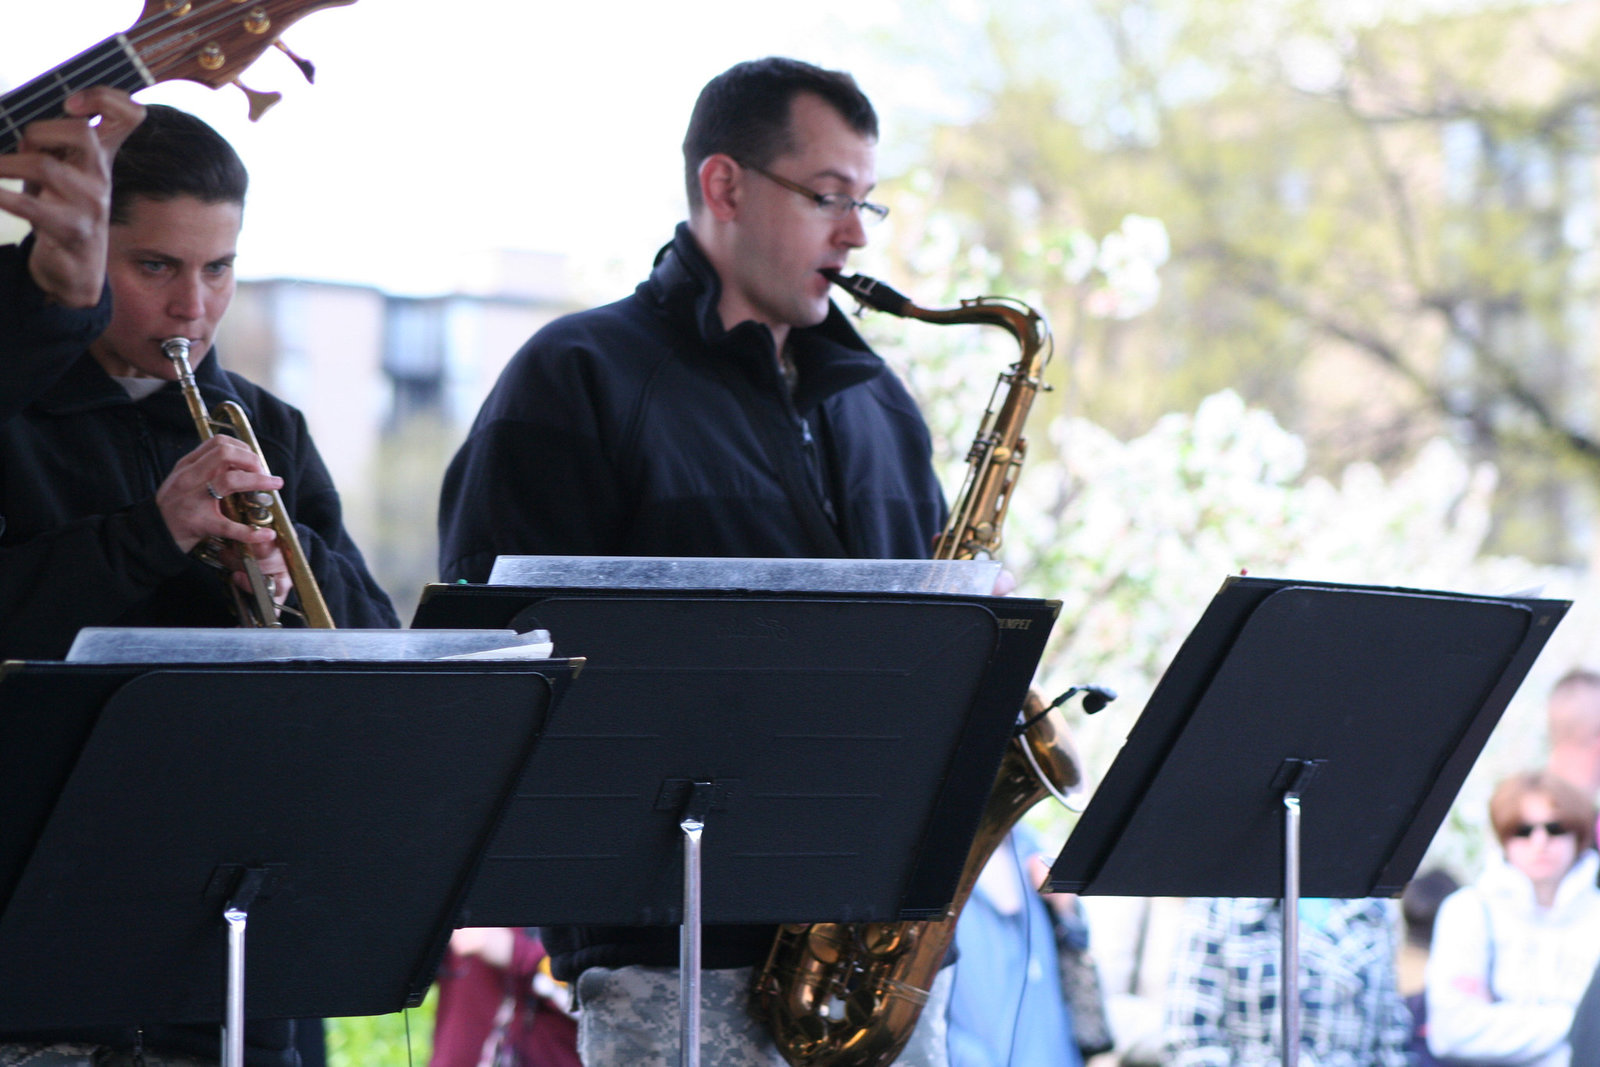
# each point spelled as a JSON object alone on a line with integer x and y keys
{"x": 1179, "y": 813}
{"x": 1289, "y": 970}
{"x": 236, "y": 913}
{"x": 1291, "y": 779}
{"x": 693, "y": 825}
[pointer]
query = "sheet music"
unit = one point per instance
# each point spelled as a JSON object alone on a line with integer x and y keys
{"x": 109, "y": 644}
{"x": 961, "y": 577}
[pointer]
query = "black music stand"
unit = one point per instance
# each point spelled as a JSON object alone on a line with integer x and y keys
{"x": 352, "y": 801}
{"x": 834, "y": 749}
{"x": 1365, "y": 707}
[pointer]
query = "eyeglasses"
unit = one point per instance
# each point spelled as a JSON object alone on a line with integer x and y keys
{"x": 1551, "y": 829}
{"x": 834, "y": 206}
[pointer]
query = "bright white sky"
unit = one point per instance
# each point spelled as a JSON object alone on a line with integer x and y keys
{"x": 435, "y": 133}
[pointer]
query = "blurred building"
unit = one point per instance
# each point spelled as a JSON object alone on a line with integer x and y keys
{"x": 389, "y": 385}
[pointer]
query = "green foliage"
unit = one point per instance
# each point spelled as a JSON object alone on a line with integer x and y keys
{"x": 1134, "y": 537}
{"x": 403, "y": 1039}
{"x": 1384, "y": 232}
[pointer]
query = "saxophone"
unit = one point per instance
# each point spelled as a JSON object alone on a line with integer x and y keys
{"x": 263, "y": 509}
{"x": 849, "y": 994}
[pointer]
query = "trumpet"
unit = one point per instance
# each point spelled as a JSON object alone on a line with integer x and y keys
{"x": 260, "y": 509}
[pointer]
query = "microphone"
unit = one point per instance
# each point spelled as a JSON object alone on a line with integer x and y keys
{"x": 1095, "y": 697}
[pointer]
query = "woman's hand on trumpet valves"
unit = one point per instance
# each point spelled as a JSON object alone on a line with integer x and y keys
{"x": 190, "y": 501}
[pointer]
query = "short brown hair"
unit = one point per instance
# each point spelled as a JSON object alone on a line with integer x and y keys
{"x": 1572, "y": 809}
{"x": 744, "y": 113}
{"x": 171, "y": 154}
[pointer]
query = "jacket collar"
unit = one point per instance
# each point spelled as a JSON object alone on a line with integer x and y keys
{"x": 831, "y": 356}
{"x": 87, "y": 387}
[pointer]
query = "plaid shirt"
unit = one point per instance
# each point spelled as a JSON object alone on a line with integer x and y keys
{"x": 1222, "y": 997}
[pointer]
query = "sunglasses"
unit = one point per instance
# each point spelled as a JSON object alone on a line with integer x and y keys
{"x": 1551, "y": 829}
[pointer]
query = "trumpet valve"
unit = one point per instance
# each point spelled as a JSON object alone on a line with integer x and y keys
{"x": 255, "y": 508}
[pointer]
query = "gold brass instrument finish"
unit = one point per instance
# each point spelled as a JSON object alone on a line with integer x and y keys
{"x": 263, "y": 509}
{"x": 999, "y": 448}
{"x": 849, "y": 995}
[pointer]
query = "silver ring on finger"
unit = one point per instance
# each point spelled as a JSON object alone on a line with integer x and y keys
{"x": 212, "y": 493}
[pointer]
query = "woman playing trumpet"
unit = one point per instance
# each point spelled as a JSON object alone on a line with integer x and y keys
{"x": 106, "y": 494}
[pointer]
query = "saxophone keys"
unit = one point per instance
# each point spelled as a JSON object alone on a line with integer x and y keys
{"x": 882, "y": 939}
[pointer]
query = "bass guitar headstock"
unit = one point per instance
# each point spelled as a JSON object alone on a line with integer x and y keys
{"x": 213, "y": 41}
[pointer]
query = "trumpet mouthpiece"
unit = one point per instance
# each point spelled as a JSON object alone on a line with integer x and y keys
{"x": 174, "y": 347}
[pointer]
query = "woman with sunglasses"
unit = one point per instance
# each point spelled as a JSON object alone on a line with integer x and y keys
{"x": 1513, "y": 952}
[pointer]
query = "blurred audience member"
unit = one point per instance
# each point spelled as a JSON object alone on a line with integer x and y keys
{"x": 1419, "y": 906}
{"x": 1513, "y": 952}
{"x": 490, "y": 1014}
{"x": 1586, "y": 1027}
{"x": 1006, "y": 1005}
{"x": 1223, "y": 997}
{"x": 1573, "y": 724}
{"x": 1135, "y": 939}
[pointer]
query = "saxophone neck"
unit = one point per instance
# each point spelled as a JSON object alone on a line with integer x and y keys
{"x": 1025, "y": 324}
{"x": 996, "y": 455}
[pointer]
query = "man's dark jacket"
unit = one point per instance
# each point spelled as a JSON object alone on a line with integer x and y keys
{"x": 643, "y": 428}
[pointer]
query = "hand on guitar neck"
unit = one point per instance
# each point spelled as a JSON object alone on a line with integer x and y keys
{"x": 65, "y": 167}
{"x": 65, "y": 162}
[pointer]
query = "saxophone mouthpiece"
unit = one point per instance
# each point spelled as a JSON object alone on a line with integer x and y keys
{"x": 870, "y": 292}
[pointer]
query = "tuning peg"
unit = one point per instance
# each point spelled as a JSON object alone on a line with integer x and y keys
{"x": 307, "y": 68}
{"x": 259, "y": 101}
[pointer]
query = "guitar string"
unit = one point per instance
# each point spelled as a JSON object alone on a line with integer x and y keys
{"x": 43, "y": 101}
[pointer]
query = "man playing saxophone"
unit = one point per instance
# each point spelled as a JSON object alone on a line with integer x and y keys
{"x": 726, "y": 408}
{"x": 105, "y": 489}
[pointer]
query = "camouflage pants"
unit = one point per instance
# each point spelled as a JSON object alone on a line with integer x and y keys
{"x": 628, "y": 1017}
{"x": 79, "y": 1055}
